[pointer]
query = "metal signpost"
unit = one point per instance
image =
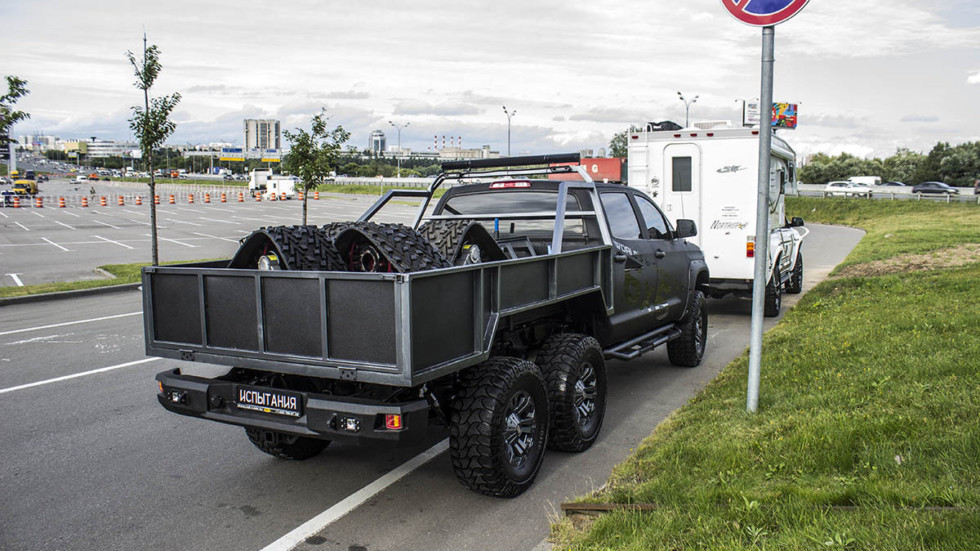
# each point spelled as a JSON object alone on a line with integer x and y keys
{"x": 766, "y": 14}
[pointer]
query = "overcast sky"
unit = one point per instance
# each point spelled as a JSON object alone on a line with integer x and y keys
{"x": 869, "y": 76}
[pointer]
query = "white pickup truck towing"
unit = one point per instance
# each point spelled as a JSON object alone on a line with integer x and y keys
{"x": 710, "y": 176}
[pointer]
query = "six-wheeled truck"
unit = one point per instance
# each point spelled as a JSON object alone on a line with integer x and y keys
{"x": 493, "y": 314}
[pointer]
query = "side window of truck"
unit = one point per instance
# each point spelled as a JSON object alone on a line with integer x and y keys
{"x": 653, "y": 219}
{"x": 621, "y": 216}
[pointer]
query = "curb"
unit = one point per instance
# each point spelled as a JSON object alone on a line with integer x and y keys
{"x": 43, "y": 297}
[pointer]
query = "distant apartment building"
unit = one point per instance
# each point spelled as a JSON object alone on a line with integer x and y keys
{"x": 376, "y": 143}
{"x": 262, "y": 134}
{"x": 110, "y": 148}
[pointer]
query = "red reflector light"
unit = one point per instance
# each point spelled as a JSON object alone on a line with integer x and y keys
{"x": 677, "y": 135}
{"x": 694, "y": 134}
{"x": 507, "y": 185}
{"x": 393, "y": 422}
{"x": 634, "y": 137}
{"x": 750, "y": 249}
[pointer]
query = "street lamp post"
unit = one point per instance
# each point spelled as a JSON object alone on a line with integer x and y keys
{"x": 509, "y": 115}
{"x": 687, "y": 108}
{"x": 398, "y": 157}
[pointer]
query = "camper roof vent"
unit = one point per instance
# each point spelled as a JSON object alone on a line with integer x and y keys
{"x": 711, "y": 125}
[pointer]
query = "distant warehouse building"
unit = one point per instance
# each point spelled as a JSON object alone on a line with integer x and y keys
{"x": 262, "y": 134}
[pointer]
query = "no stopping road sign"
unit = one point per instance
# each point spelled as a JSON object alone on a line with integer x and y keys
{"x": 763, "y": 13}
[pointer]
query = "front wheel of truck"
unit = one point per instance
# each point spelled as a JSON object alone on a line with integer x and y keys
{"x": 688, "y": 349}
{"x": 499, "y": 426}
{"x": 285, "y": 446}
{"x": 575, "y": 374}
{"x": 774, "y": 293}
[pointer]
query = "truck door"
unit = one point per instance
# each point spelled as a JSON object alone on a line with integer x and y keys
{"x": 682, "y": 183}
{"x": 635, "y": 271}
{"x": 670, "y": 259}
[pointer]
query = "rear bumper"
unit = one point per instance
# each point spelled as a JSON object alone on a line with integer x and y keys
{"x": 324, "y": 416}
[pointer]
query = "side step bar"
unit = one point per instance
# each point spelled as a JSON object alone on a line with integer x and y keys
{"x": 646, "y": 342}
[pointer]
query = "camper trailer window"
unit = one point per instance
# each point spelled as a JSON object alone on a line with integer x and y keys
{"x": 681, "y": 174}
{"x": 653, "y": 220}
{"x": 622, "y": 218}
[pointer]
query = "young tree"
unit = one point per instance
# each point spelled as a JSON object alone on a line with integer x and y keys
{"x": 619, "y": 144}
{"x": 313, "y": 155}
{"x": 16, "y": 89}
{"x": 151, "y": 123}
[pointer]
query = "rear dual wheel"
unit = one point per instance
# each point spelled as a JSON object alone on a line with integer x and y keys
{"x": 575, "y": 374}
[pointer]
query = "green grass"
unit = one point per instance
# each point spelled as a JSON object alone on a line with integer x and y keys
{"x": 367, "y": 189}
{"x": 185, "y": 182}
{"x": 868, "y": 429}
{"x": 124, "y": 274}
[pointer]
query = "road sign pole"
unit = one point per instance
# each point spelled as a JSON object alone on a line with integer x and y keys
{"x": 761, "y": 220}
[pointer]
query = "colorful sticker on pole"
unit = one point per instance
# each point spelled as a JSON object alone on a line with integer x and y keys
{"x": 784, "y": 115}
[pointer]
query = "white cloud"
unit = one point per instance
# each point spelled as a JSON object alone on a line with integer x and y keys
{"x": 973, "y": 78}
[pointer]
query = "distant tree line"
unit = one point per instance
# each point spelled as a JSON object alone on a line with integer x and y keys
{"x": 956, "y": 165}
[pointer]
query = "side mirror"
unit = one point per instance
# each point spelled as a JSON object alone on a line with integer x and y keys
{"x": 796, "y": 222}
{"x": 686, "y": 228}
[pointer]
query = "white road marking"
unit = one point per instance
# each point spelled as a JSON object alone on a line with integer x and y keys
{"x": 4, "y": 215}
{"x": 216, "y": 237}
{"x": 172, "y": 241}
{"x": 219, "y": 221}
{"x": 77, "y": 375}
{"x": 354, "y": 500}
{"x": 22, "y": 225}
{"x": 63, "y": 224}
{"x": 182, "y": 222}
{"x": 111, "y": 241}
{"x": 90, "y": 320}
{"x": 71, "y": 213}
{"x": 17, "y": 281}
{"x": 107, "y": 224}
{"x": 36, "y": 213}
{"x": 48, "y": 241}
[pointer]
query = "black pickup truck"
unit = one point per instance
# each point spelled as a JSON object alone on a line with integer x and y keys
{"x": 494, "y": 317}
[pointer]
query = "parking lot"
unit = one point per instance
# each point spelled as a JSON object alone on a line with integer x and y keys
{"x": 52, "y": 243}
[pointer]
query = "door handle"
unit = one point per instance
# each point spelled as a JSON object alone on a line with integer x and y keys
{"x": 619, "y": 257}
{"x": 659, "y": 254}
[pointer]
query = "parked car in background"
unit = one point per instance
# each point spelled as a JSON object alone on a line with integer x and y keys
{"x": 893, "y": 184}
{"x": 843, "y": 188}
{"x": 935, "y": 187}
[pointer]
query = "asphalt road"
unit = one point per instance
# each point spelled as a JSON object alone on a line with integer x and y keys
{"x": 41, "y": 245}
{"x": 89, "y": 460}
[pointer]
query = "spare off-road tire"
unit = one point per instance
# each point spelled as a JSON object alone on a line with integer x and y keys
{"x": 372, "y": 247}
{"x": 455, "y": 239}
{"x": 296, "y": 247}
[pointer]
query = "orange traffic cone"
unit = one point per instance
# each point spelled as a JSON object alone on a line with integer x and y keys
{"x": 241, "y": 197}
{"x": 16, "y": 202}
{"x": 84, "y": 202}
{"x": 61, "y": 202}
{"x": 301, "y": 196}
{"x": 207, "y": 197}
{"x": 224, "y": 198}
{"x": 103, "y": 202}
{"x": 316, "y": 195}
{"x": 282, "y": 196}
{"x": 38, "y": 202}
{"x": 172, "y": 200}
{"x": 121, "y": 202}
{"x": 139, "y": 200}
{"x": 190, "y": 198}
{"x": 156, "y": 199}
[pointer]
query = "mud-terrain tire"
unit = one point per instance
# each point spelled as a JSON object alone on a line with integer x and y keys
{"x": 453, "y": 238}
{"x": 774, "y": 293}
{"x": 575, "y": 376}
{"x": 688, "y": 349}
{"x": 795, "y": 284}
{"x": 296, "y": 247}
{"x": 372, "y": 247}
{"x": 499, "y": 426}
{"x": 285, "y": 446}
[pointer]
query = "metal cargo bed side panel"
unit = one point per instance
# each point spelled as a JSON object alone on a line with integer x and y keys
{"x": 394, "y": 329}
{"x": 308, "y": 323}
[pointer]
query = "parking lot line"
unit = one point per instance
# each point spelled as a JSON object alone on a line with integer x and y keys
{"x": 113, "y": 242}
{"x": 216, "y": 237}
{"x": 355, "y": 500}
{"x": 63, "y": 324}
{"x": 63, "y": 224}
{"x": 71, "y": 213}
{"x": 55, "y": 244}
{"x": 77, "y": 375}
{"x": 36, "y": 213}
{"x": 106, "y": 224}
{"x": 22, "y": 226}
{"x": 17, "y": 281}
{"x": 172, "y": 241}
{"x": 182, "y": 222}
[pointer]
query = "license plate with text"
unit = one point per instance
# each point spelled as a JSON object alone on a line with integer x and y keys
{"x": 265, "y": 400}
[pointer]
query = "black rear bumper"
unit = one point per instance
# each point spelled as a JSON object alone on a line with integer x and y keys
{"x": 324, "y": 416}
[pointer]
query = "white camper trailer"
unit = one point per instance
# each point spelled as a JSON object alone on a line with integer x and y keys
{"x": 710, "y": 176}
{"x": 268, "y": 184}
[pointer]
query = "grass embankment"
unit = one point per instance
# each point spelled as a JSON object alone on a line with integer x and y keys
{"x": 868, "y": 429}
{"x": 124, "y": 273}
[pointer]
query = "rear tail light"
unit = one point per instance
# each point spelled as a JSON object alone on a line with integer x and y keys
{"x": 393, "y": 422}
{"x": 750, "y": 247}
